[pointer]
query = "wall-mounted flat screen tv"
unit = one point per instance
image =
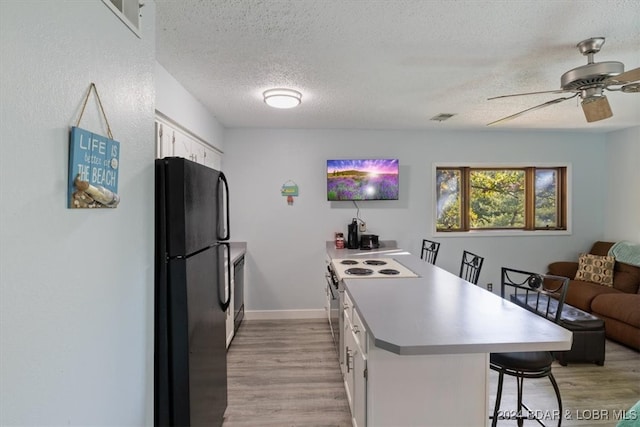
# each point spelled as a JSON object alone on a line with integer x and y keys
{"x": 362, "y": 179}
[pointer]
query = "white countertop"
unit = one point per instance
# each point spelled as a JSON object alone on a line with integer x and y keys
{"x": 439, "y": 313}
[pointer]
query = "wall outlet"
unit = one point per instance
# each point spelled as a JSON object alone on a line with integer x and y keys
{"x": 490, "y": 287}
{"x": 363, "y": 227}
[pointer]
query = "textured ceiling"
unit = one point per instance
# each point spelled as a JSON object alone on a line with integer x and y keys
{"x": 394, "y": 64}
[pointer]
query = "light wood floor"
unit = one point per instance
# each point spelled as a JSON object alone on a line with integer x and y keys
{"x": 285, "y": 373}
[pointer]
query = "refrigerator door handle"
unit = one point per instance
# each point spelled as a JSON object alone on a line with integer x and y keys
{"x": 225, "y": 304}
{"x": 223, "y": 234}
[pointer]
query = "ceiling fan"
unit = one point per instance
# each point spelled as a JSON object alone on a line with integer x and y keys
{"x": 588, "y": 82}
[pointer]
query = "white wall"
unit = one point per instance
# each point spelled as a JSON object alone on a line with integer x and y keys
{"x": 76, "y": 310}
{"x": 622, "y": 215}
{"x": 285, "y": 266}
{"x": 176, "y": 103}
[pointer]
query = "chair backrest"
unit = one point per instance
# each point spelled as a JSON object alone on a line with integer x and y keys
{"x": 429, "y": 251}
{"x": 544, "y": 294}
{"x": 470, "y": 267}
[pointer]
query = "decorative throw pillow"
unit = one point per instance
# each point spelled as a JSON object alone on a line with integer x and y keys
{"x": 595, "y": 268}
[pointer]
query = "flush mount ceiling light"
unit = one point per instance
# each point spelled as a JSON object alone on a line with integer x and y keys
{"x": 282, "y": 98}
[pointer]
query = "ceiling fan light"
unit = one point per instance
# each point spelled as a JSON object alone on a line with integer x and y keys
{"x": 282, "y": 98}
{"x": 596, "y": 108}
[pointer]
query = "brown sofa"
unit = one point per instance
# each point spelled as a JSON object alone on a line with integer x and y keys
{"x": 618, "y": 306}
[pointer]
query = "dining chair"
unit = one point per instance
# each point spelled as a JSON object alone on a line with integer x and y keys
{"x": 470, "y": 267}
{"x": 429, "y": 251}
{"x": 544, "y": 295}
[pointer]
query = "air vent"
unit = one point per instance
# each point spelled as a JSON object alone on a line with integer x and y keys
{"x": 442, "y": 117}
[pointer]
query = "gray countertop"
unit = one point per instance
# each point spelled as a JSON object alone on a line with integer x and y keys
{"x": 439, "y": 313}
{"x": 236, "y": 250}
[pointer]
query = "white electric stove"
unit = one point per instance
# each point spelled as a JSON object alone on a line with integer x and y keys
{"x": 374, "y": 268}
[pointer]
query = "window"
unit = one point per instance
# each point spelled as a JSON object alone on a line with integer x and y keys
{"x": 501, "y": 198}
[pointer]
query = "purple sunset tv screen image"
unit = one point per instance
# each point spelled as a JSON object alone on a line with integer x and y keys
{"x": 362, "y": 179}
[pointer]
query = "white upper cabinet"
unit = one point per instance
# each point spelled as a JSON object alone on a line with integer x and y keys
{"x": 173, "y": 142}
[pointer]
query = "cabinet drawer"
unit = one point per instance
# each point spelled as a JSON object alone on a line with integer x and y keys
{"x": 347, "y": 305}
{"x": 359, "y": 331}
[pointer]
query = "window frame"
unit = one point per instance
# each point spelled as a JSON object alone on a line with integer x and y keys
{"x": 565, "y": 201}
{"x": 128, "y": 11}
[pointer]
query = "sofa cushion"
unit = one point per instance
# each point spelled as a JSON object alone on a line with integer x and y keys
{"x": 625, "y": 281}
{"x": 626, "y": 278}
{"x": 629, "y": 282}
{"x": 580, "y": 294}
{"x": 601, "y": 248}
{"x": 563, "y": 268}
{"x": 619, "y": 306}
{"x": 595, "y": 268}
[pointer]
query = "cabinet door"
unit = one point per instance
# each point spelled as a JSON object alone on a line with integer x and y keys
{"x": 327, "y": 302}
{"x": 349, "y": 352}
{"x": 164, "y": 146}
{"x": 198, "y": 153}
{"x": 212, "y": 158}
{"x": 181, "y": 145}
{"x": 359, "y": 411}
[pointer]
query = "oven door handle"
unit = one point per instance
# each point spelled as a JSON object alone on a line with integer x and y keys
{"x": 333, "y": 291}
{"x": 332, "y": 286}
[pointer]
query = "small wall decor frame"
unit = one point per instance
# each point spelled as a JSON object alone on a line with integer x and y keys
{"x": 94, "y": 163}
{"x": 290, "y": 190}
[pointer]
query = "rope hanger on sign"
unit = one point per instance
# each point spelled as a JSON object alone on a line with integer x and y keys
{"x": 93, "y": 88}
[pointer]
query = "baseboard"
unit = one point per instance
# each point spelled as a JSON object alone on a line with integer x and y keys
{"x": 284, "y": 314}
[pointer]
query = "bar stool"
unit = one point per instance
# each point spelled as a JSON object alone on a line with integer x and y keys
{"x": 470, "y": 267}
{"x": 534, "y": 292}
{"x": 429, "y": 251}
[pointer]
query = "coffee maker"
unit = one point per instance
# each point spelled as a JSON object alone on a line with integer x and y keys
{"x": 352, "y": 235}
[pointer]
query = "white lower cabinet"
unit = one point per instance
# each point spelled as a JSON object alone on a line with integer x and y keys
{"x": 359, "y": 411}
{"x": 349, "y": 350}
{"x": 355, "y": 363}
{"x": 327, "y": 302}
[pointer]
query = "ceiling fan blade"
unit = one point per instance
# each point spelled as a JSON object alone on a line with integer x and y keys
{"x": 531, "y": 93}
{"x": 537, "y": 107}
{"x": 626, "y": 77}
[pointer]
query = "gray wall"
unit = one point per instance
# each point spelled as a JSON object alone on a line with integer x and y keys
{"x": 76, "y": 310}
{"x": 173, "y": 101}
{"x": 622, "y": 212}
{"x": 286, "y": 243}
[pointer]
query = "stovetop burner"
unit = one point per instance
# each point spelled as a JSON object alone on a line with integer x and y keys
{"x": 357, "y": 271}
{"x": 375, "y": 262}
{"x": 369, "y": 267}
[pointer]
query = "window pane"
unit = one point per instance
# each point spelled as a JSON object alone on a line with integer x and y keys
{"x": 497, "y": 198}
{"x": 448, "y": 199}
{"x": 546, "y": 198}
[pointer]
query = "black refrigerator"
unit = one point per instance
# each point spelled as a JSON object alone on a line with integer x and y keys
{"x": 192, "y": 291}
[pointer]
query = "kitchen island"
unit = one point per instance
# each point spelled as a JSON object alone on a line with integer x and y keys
{"x": 417, "y": 349}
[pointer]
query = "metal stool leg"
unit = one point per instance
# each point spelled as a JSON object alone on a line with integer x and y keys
{"x": 557, "y": 390}
{"x": 494, "y": 422}
{"x": 520, "y": 415}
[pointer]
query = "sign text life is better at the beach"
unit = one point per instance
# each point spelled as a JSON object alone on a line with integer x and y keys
{"x": 93, "y": 162}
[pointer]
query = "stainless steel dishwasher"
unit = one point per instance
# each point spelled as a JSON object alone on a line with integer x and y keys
{"x": 238, "y": 292}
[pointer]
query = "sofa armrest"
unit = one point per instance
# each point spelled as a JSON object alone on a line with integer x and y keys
{"x": 564, "y": 268}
